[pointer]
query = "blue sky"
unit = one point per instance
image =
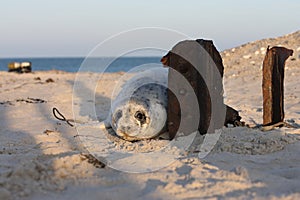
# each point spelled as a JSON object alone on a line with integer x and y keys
{"x": 35, "y": 28}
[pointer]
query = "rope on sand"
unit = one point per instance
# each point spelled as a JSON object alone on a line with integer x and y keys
{"x": 279, "y": 124}
{"x": 270, "y": 127}
{"x": 61, "y": 117}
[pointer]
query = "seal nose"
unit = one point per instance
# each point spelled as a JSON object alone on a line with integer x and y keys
{"x": 125, "y": 129}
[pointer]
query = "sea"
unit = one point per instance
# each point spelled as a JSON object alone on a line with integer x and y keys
{"x": 75, "y": 64}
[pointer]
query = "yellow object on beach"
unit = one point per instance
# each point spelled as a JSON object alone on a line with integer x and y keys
{"x": 23, "y": 67}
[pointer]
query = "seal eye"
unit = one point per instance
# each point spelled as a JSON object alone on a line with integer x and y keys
{"x": 140, "y": 117}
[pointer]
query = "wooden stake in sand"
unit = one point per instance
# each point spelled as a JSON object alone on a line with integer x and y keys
{"x": 272, "y": 84}
{"x": 207, "y": 122}
{"x": 197, "y": 82}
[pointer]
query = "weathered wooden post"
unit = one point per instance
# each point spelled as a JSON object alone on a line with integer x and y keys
{"x": 272, "y": 84}
{"x": 205, "y": 96}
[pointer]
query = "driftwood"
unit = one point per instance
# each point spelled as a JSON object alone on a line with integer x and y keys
{"x": 272, "y": 84}
{"x": 232, "y": 117}
{"x": 201, "y": 90}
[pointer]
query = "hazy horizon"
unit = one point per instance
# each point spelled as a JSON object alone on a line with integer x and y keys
{"x": 73, "y": 28}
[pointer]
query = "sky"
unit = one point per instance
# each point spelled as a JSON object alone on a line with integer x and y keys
{"x": 68, "y": 28}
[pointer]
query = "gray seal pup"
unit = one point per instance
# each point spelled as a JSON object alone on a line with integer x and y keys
{"x": 139, "y": 111}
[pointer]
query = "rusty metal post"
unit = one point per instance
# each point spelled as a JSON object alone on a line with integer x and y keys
{"x": 272, "y": 84}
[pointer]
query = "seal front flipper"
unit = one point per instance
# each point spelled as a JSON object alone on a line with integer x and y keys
{"x": 107, "y": 123}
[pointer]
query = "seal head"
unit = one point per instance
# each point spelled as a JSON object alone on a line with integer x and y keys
{"x": 140, "y": 109}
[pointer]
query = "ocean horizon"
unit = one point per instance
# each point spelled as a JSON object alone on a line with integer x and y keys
{"x": 74, "y": 64}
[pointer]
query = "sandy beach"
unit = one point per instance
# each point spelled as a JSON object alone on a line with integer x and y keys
{"x": 41, "y": 157}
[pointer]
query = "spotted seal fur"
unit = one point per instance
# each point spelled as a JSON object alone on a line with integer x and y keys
{"x": 139, "y": 111}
